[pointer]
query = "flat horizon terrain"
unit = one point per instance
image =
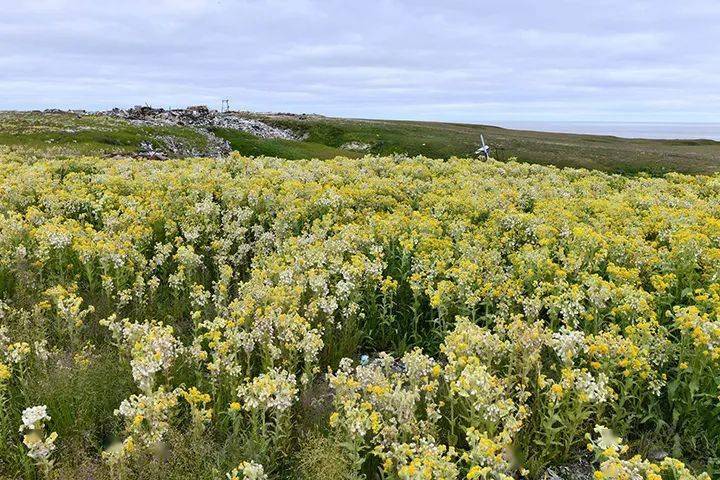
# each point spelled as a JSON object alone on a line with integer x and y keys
{"x": 626, "y": 130}
{"x": 43, "y": 134}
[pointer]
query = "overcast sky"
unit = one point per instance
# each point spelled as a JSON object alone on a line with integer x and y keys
{"x": 478, "y": 61}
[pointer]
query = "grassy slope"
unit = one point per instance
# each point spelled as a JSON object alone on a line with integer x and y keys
{"x": 67, "y": 134}
{"x": 442, "y": 140}
{"x": 249, "y": 144}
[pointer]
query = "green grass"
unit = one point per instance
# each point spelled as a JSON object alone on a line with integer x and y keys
{"x": 63, "y": 135}
{"x": 443, "y": 140}
{"x": 248, "y": 144}
{"x": 385, "y": 137}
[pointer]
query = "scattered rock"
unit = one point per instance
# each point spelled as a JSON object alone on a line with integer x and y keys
{"x": 580, "y": 470}
{"x": 57, "y": 110}
{"x": 137, "y": 112}
{"x": 198, "y": 110}
{"x": 164, "y": 146}
{"x": 152, "y": 155}
{"x": 202, "y": 120}
{"x": 147, "y": 150}
{"x": 202, "y": 117}
{"x": 356, "y": 146}
{"x": 254, "y": 127}
{"x": 657, "y": 455}
{"x": 217, "y": 146}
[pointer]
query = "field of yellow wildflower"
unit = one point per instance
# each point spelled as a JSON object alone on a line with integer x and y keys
{"x": 394, "y": 318}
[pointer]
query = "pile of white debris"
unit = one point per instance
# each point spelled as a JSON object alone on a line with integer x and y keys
{"x": 202, "y": 117}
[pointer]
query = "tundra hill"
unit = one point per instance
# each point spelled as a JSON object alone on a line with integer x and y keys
{"x": 196, "y": 131}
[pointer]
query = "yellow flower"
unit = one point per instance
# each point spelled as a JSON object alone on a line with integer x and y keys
{"x": 194, "y": 396}
{"x": 5, "y": 372}
{"x": 557, "y": 389}
{"x": 137, "y": 420}
{"x": 474, "y": 472}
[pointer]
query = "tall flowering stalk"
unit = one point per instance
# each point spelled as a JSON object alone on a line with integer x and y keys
{"x": 267, "y": 400}
{"x": 152, "y": 348}
{"x": 39, "y": 444}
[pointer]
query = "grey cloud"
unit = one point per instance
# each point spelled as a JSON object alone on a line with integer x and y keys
{"x": 457, "y": 60}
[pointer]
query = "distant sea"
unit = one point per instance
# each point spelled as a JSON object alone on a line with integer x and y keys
{"x": 709, "y": 131}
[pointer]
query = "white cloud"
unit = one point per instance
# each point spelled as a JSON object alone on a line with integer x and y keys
{"x": 459, "y": 60}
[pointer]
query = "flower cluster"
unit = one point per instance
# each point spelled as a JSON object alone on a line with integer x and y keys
{"x": 200, "y": 413}
{"x": 422, "y": 460}
{"x": 147, "y": 417}
{"x": 274, "y": 390}
{"x": 518, "y": 304}
{"x": 610, "y": 451}
{"x": 68, "y": 307}
{"x": 247, "y": 471}
{"x": 39, "y": 444}
{"x": 152, "y": 348}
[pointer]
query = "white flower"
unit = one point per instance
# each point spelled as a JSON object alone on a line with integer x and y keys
{"x": 152, "y": 348}
{"x": 249, "y": 471}
{"x": 34, "y": 417}
{"x": 567, "y": 343}
{"x": 275, "y": 389}
{"x": 596, "y": 389}
{"x": 39, "y": 446}
{"x": 607, "y": 438}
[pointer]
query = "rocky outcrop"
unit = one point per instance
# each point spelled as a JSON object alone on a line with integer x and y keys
{"x": 197, "y": 117}
{"x": 356, "y": 146}
{"x": 579, "y": 470}
{"x": 202, "y": 117}
{"x": 165, "y": 146}
{"x": 252, "y": 126}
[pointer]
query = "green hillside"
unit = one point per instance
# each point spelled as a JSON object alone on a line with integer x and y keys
{"x": 65, "y": 134}
{"x": 443, "y": 140}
